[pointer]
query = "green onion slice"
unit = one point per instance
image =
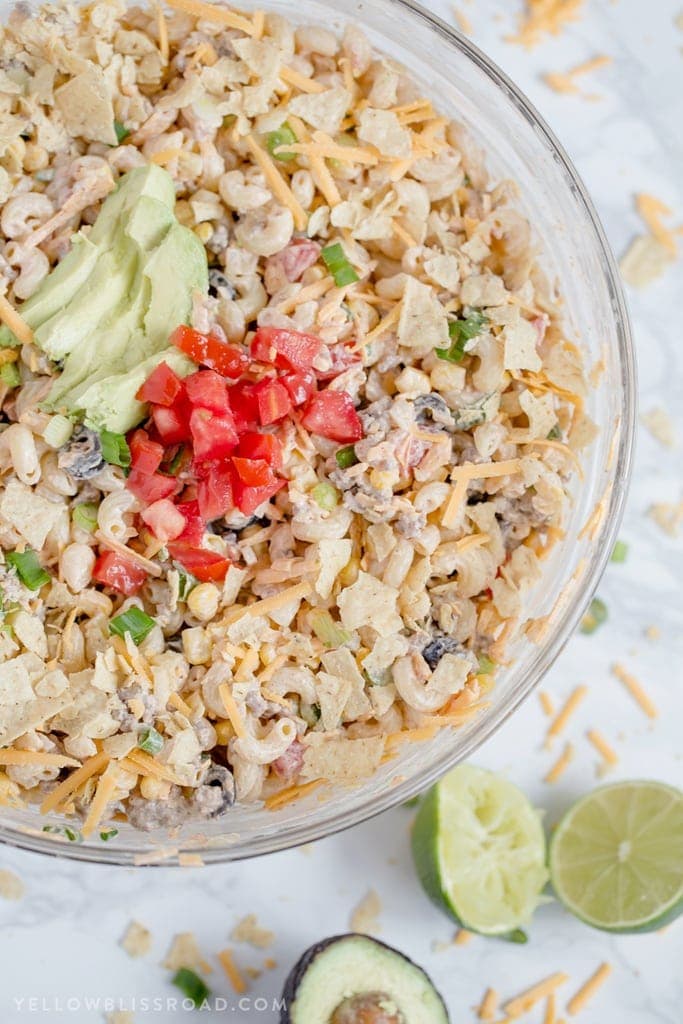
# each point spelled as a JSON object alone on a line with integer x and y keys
{"x": 282, "y": 136}
{"x": 325, "y": 495}
{"x": 460, "y": 332}
{"x": 191, "y": 985}
{"x": 327, "y": 630}
{"x": 115, "y": 449}
{"x": 9, "y": 375}
{"x": 134, "y": 621}
{"x": 346, "y": 457}
{"x": 85, "y": 516}
{"x": 121, "y": 132}
{"x": 108, "y": 833}
{"x": 150, "y": 741}
{"x": 486, "y": 665}
{"x": 619, "y": 552}
{"x": 594, "y": 617}
{"x": 336, "y": 261}
{"x": 29, "y": 569}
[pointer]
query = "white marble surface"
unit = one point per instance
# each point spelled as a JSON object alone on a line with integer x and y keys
{"x": 59, "y": 942}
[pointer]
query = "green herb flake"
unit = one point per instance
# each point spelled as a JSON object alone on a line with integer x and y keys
{"x": 325, "y": 495}
{"x": 150, "y": 741}
{"x": 108, "y": 833}
{"x": 619, "y": 552}
{"x": 486, "y": 666}
{"x": 134, "y": 621}
{"x": 282, "y": 136}
{"x": 460, "y": 332}
{"x": 28, "y": 567}
{"x": 9, "y": 375}
{"x": 336, "y": 261}
{"x": 555, "y": 434}
{"x": 115, "y": 449}
{"x": 346, "y": 457}
{"x": 594, "y": 617}
{"x": 121, "y": 132}
{"x": 72, "y": 834}
{"x": 186, "y": 583}
{"x": 84, "y": 516}
{"x": 191, "y": 985}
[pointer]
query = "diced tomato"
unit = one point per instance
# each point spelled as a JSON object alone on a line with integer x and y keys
{"x": 119, "y": 573}
{"x": 213, "y": 437}
{"x": 273, "y": 401}
{"x": 288, "y": 765}
{"x": 249, "y": 498}
{"x": 244, "y": 405}
{"x": 214, "y": 491}
{"x": 164, "y": 520}
{"x": 145, "y": 455}
{"x": 300, "y": 385}
{"x": 151, "y": 487}
{"x": 193, "y": 532}
{"x": 342, "y": 356}
{"x": 209, "y": 350}
{"x": 332, "y": 414}
{"x": 172, "y": 425}
{"x": 261, "y": 446}
{"x": 284, "y": 348}
{"x": 253, "y": 472}
{"x": 203, "y": 564}
{"x": 206, "y": 390}
{"x": 292, "y": 261}
{"x": 161, "y": 387}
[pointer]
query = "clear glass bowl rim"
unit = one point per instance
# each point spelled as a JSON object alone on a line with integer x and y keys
{"x": 367, "y": 807}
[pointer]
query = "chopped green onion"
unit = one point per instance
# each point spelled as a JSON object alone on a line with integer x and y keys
{"x": 9, "y": 375}
{"x": 346, "y": 457}
{"x": 29, "y": 569}
{"x": 191, "y": 985}
{"x": 310, "y": 714}
{"x": 121, "y": 132}
{"x": 619, "y": 552}
{"x": 176, "y": 463}
{"x": 282, "y": 136}
{"x": 58, "y": 431}
{"x": 133, "y": 621}
{"x": 460, "y": 332}
{"x": 594, "y": 617}
{"x": 555, "y": 434}
{"x": 336, "y": 261}
{"x": 85, "y": 516}
{"x": 327, "y": 630}
{"x": 486, "y": 665}
{"x": 108, "y": 833}
{"x": 72, "y": 834}
{"x": 325, "y": 495}
{"x": 186, "y": 583}
{"x": 115, "y": 449}
{"x": 150, "y": 741}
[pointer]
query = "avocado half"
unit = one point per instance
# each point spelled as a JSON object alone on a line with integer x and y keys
{"x": 328, "y": 983}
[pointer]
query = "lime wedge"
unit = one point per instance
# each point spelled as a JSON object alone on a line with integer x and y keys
{"x": 479, "y": 850}
{"x": 616, "y": 858}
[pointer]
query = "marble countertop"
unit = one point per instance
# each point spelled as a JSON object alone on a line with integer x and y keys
{"x": 58, "y": 945}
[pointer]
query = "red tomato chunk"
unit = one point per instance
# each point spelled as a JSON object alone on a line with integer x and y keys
{"x": 193, "y": 532}
{"x": 272, "y": 400}
{"x": 332, "y": 414}
{"x": 253, "y": 472}
{"x": 214, "y": 491}
{"x": 261, "y": 446}
{"x": 249, "y": 498}
{"x": 300, "y": 385}
{"x": 145, "y": 455}
{"x": 206, "y": 390}
{"x": 164, "y": 519}
{"x": 171, "y": 425}
{"x": 161, "y": 387}
{"x": 213, "y": 437}
{"x": 284, "y": 348}
{"x": 119, "y": 573}
{"x": 202, "y": 564}
{"x": 208, "y": 350}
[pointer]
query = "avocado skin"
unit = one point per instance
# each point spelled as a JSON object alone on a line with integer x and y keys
{"x": 298, "y": 973}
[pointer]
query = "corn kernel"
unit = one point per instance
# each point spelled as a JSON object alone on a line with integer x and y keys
{"x": 197, "y": 645}
{"x": 224, "y": 732}
{"x": 349, "y": 574}
{"x": 155, "y": 789}
{"x": 413, "y": 382}
{"x": 447, "y": 377}
{"x": 202, "y": 601}
{"x": 204, "y": 231}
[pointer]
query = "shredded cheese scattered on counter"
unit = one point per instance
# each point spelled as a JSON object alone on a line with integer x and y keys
{"x": 549, "y": 1016}
{"x": 545, "y": 16}
{"x": 489, "y": 1005}
{"x": 546, "y": 703}
{"x": 521, "y": 1003}
{"x": 609, "y": 755}
{"x": 587, "y": 991}
{"x": 463, "y": 937}
{"x": 561, "y": 765}
{"x": 232, "y": 972}
{"x": 566, "y": 83}
{"x": 560, "y": 721}
{"x": 464, "y": 23}
{"x": 635, "y": 689}
{"x": 651, "y": 210}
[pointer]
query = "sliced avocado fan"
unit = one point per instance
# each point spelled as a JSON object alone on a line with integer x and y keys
{"x": 107, "y": 310}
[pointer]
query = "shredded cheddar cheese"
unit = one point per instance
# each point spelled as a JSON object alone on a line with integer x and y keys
{"x": 424, "y": 732}
{"x": 489, "y": 1005}
{"x": 524, "y": 1002}
{"x": 271, "y": 604}
{"x": 550, "y": 1007}
{"x": 232, "y": 972}
{"x": 544, "y": 16}
{"x": 278, "y": 185}
{"x": 214, "y": 12}
{"x": 566, "y": 83}
{"x": 232, "y": 711}
{"x": 19, "y": 328}
{"x": 587, "y": 991}
{"x": 571, "y": 704}
{"x": 463, "y": 937}
{"x": 635, "y": 689}
{"x": 64, "y": 790}
{"x": 323, "y": 180}
{"x": 38, "y": 758}
{"x": 259, "y": 23}
{"x": 652, "y": 210}
{"x": 106, "y": 788}
{"x": 561, "y": 765}
{"x": 324, "y": 146}
{"x": 546, "y": 703}
{"x": 464, "y": 23}
{"x": 287, "y": 796}
{"x": 176, "y": 701}
{"x": 153, "y": 568}
{"x": 308, "y": 293}
{"x": 608, "y": 753}
{"x": 145, "y": 764}
{"x": 299, "y": 81}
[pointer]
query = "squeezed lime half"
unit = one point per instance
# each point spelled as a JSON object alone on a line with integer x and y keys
{"x": 616, "y": 858}
{"x": 480, "y": 852}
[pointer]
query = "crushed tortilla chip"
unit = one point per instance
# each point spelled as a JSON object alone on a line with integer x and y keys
{"x": 184, "y": 952}
{"x": 661, "y": 426}
{"x": 11, "y": 886}
{"x": 365, "y": 917}
{"x": 667, "y": 516}
{"x": 136, "y": 940}
{"x": 248, "y": 930}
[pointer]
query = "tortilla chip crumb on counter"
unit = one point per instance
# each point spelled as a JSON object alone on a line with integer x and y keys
{"x": 184, "y": 952}
{"x": 644, "y": 261}
{"x": 566, "y": 83}
{"x": 136, "y": 940}
{"x": 365, "y": 917}
{"x": 667, "y": 515}
{"x": 119, "y": 1017}
{"x": 660, "y": 425}
{"x": 653, "y": 633}
{"x": 250, "y": 931}
{"x": 464, "y": 23}
{"x": 11, "y": 886}
{"x": 545, "y": 17}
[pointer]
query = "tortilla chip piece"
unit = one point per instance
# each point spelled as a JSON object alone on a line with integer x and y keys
{"x": 29, "y": 513}
{"x": 86, "y": 106}
{"x": 645, "y": 260}
{"x": 341, "y": 760}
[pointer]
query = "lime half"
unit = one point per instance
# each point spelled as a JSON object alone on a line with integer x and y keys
{"x": 616, "y": 859}
{"x": 479, "y": 850}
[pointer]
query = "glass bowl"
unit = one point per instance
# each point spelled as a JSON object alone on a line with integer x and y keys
{"x": 466, "y": 85}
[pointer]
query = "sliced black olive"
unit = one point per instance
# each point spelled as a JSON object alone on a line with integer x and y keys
{"x": 216, "y": 793}
{"x": 437, "y": 647}
{"x": 432, "y": 408}
{"x": 218, "y": 283}
{"x": 81, "y": 456}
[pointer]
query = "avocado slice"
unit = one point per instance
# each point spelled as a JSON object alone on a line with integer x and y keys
{"x": 148, "y": 181}
{"x": 338, "y": 979}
